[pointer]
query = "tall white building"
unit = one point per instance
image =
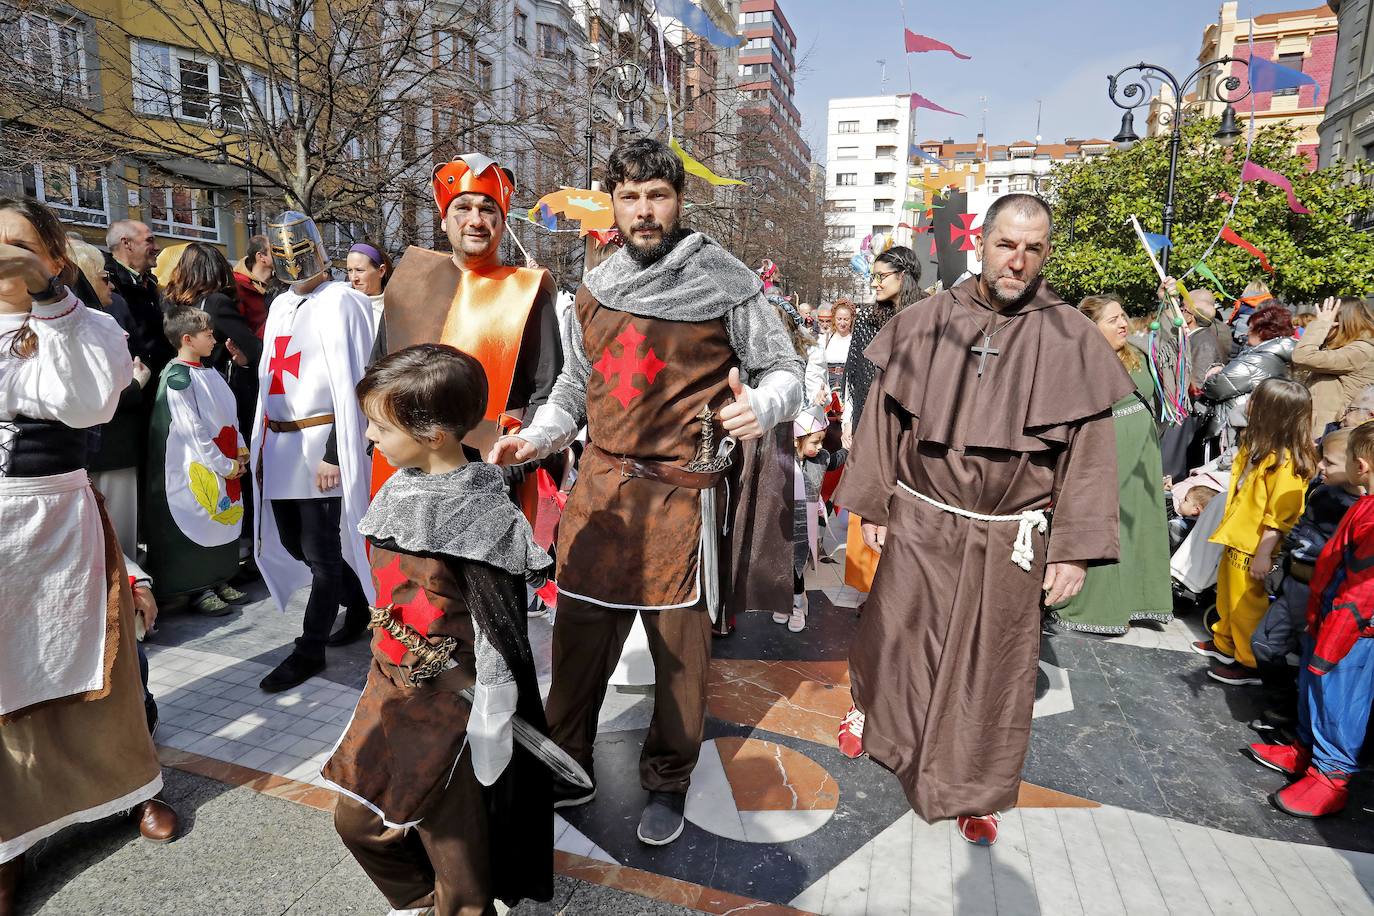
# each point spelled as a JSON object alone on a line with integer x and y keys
{"x": 866, "y": 171}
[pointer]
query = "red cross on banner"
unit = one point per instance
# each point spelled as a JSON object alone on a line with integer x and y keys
{"x": 627, "y": 365}
{"x": 280, "y": 364}
{"x": 964, "y": 234}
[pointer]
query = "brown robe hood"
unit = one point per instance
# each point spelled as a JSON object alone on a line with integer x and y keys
{"x": 1045, "y": 352}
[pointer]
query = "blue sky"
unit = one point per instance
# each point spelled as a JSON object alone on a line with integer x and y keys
{"x": 1059, "y": 51}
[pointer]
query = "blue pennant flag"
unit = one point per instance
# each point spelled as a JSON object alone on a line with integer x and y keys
{"x": 1156, "y": 241}
{"x": 546, "y": 217}
{"x": 1266, "y": 76}
{"x": 922, "y": 154}
{"x": 695, "y": 20}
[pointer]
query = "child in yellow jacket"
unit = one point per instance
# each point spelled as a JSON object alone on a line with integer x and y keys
{"x": 1274, "y": 464}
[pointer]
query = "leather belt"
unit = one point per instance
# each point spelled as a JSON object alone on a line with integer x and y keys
{"x": 1301, "y": 570}
{"x": 670, "y": 474}
{"x": 295, "y": 426}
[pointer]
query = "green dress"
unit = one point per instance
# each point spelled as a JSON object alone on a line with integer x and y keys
{"x": 1137, "y": 587}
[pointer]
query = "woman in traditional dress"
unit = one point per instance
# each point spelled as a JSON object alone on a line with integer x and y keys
{"x": 896, "y": 283}
{"x": 74, "y": 741}
{"x": 1116, "y": 595}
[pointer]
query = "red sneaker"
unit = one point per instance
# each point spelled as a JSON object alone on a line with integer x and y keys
{"x": 1317, "y": 794}
{"x": 979, "y": 829}
{"x": 1288, "y": 759}
{"x": 851, "y": 735}
{"x": 1209, "y": 649}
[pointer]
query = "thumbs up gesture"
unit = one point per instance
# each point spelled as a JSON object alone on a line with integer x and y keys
{"x": 738, "y": 416}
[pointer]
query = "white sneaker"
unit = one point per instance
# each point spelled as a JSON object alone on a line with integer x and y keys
{"x": 781, "y": 616}
{"x": 796, "y": 622}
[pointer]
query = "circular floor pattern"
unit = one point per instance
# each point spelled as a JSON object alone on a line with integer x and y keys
{"x": 758, "y": 791}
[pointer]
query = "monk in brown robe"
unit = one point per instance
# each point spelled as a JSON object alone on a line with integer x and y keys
{"x": 990, "y": 416}
{"x": 673, "y": 348}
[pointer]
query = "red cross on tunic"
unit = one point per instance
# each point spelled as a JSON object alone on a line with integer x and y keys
{"x": 964, "y": 234}
{"x": 417, "y": 613}
{"x": 280, "y": 364}
{"x": 629, "y": 364}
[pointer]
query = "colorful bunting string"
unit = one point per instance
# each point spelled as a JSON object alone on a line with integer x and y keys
{"x": 920, "y": 101}
{"x": 1229, "y": 235}
{"x": 695, "y": 20}
{"x": 1267, "y": 76}
{"x": 1252, "y": 172}
{"x": 1206, "y": 272}
{"x": 916, "y": 44}
{"x": 922, "y": 154}
{"x": 696, "y": 168}
{"x": 1156, "y": 241}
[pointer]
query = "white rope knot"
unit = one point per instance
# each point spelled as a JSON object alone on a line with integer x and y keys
{"x": 1023, "y": 549}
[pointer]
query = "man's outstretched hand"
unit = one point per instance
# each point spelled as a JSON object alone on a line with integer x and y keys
{"x": 511, "y": 450}
{"x": 738, "y": 416}
{"x": 1063, "y": 581}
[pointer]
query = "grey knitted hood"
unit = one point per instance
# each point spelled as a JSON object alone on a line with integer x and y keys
{"x": 464, "y": 513}
{"x": 697, "y": 281}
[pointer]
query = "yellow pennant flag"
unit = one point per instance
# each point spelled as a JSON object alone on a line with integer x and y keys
{"x": 696, "y": 168}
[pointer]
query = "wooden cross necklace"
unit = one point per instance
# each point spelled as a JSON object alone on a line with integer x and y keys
{"x": 986, "y": 349}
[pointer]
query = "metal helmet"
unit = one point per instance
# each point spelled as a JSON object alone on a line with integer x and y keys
{"x": 297, "y": 248}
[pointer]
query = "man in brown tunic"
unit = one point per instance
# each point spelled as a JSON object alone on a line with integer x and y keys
{"x": 990, "y": 414}
{"x": 661, "y": 335}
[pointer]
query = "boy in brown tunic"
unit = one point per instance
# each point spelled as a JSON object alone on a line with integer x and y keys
{"x": 990, "y": 414}
{"x": 663, "y": 330}
{"x": 438, "y": 804}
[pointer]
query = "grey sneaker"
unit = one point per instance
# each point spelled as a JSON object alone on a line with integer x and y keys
{"x": 662, "y": 820}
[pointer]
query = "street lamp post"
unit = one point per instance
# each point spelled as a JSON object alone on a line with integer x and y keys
{"x": 627, "y": 83}
{"x": 1135, "y": 92}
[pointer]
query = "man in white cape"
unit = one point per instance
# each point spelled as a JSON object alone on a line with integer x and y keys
{"x": 309, "y": 452}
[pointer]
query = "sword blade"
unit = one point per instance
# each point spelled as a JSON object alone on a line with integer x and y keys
{"x": 543, "y": 748}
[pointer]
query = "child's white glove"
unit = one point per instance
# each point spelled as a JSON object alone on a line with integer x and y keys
{"x": 490, "y": 735}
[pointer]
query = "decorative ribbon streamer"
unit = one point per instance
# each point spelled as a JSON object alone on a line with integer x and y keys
{"x": 1156, "y": 242}
{"x": 920, "y": 101}
{"x": 1206, "y": 272}
{"x": 1229, "y": 235}
{"x": 1252, "y": 172}
{"x": 1266, "y": 76}
{"x": 916, "y": 44}
{"x": 694, "y": 167}
{"x": 695, "y": 20}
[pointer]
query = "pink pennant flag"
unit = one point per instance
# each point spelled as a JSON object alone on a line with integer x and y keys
{"x": 1252, "y": 172}
{"x": 920, "y": 101}
{"x": 916, "y": 44}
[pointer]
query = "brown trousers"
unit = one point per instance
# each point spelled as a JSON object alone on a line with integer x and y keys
{"x": 587, "y": 640}
{"x": 443, "y": 862}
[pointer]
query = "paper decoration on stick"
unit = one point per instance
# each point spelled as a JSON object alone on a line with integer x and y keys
{"x": 1156, "y": 241}
{"x": 694, "y": 167}
{"x": 1266, "y": 76}
{"x": 1252, "y": 172}
{"x": 920, "y": 101}
{"x": 965, "y": 232}
{"x": 695, "y": 20}
{"x": 916, "y": 44}
{"x": 1229, "y": 235}
{"x": 592, "y": 209}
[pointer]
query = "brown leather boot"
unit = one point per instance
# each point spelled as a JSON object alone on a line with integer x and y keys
{"x": 156, "y": 820}
{"x": 10, "y": 873}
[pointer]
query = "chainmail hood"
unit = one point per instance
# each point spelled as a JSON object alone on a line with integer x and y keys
{"x": 463, "y": 513}
{"x": 697, "y": 281}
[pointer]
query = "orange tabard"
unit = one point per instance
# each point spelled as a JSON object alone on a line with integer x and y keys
{"x": 485, "y": 317}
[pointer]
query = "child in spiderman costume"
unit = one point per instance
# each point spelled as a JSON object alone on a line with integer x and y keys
{"x": 1336, "y": 677}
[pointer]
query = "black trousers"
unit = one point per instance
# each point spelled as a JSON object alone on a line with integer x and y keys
{"x": 309, "y": 530}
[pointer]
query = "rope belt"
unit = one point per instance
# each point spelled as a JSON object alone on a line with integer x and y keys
{"x": 1023, "y": 550}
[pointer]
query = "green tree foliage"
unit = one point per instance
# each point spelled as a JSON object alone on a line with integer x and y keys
{"x": 1316, "y": 255}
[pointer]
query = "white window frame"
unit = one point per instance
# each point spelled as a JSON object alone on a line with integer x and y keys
{"x": 846, "y": 152}
{"x": 841, "y": 182}
{"x": 522, "y": 28}
{"x": 169, "y": 226}
{"x": 156, "y": 84}
{"x": 26, "y": 31}
{"x": 847, "y": 127}
{"x": 70, "y": 209}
